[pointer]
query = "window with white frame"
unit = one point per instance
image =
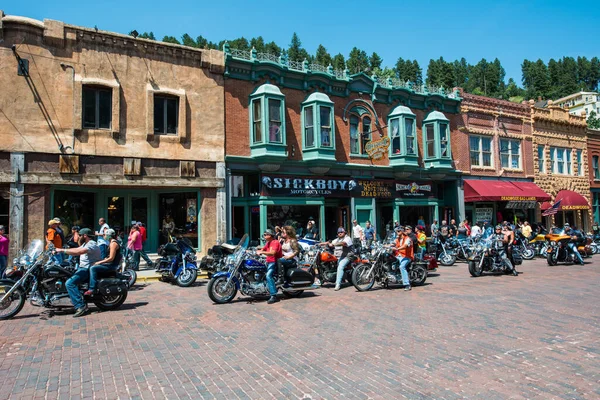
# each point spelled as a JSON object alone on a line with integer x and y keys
{"x": 409, "y": 130}
{"x": 541, "y": 157}
{"x": 510, "y": 153}
{"x": 395, "y": 134}
{"x": 561, "y": 161}
{"x": 596, "y": 167}
{"x": 97, "y": 107}
{"x": 360, "y": 134}
{"x": 309, "y": 129}
{"x": 481, "y": 151}
{"x": 166, "y": 114}
{"x": 267, "y": 125}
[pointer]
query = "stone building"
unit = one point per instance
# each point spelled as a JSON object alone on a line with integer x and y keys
{"x": 98, "y": 124}
{"x": 560, "y": 146}
{"x": 495, "y": 157}
{"x": 307, "y": 142}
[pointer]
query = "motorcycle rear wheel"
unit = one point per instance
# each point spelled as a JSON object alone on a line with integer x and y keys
{"x": 187, "y": 278}
{"x": 474, "y": 268}
{"x": 130, "y": 275}
{"x": 551, "y": 260}
{"x": 418, "y": 275}
{"x": 219, "y": 292}
{"x": 107, "y": 303}
{"x": 362, "y": 279}
{"x": 447, "y": 259}
{"x": 17, "y": 299}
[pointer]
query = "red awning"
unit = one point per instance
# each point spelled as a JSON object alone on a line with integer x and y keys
{"x": 484, "y": 190}
{"x": 570, "y": 200}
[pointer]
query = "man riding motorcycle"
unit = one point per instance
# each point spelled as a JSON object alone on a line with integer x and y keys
{"x": 507, "y": 237}
{"x": 343, "y": 247}
{"x": 404, "y": 253}
{"x": 576, "y": 236}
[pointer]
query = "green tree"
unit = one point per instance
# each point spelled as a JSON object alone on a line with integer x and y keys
{"x": 322, "y": 57}
{"x": 187, "y": 40}
{"x": 357, "y": 61}
{"x": 535, "y": 79}
{"x": 513, "y": 91}
{"x": 339, "y": 62}
{"x": 296, "y": 52}
{"x": 272, "y": 48}
{"x": 594, "y": 73}
{"x": 203, "y": 43}
{"x": 440, "y": 73}
{"x": 460, "y": 71}
{"x": 258, "y": 43}
{"x": 147, "y": 35}
{"x": 593, "y": 121}
{"x": 240, "y": 44}
{"x": 170, "y": 39}
{"x": 375, "y": 62}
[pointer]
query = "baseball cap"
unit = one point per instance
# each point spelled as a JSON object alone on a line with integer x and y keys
{"x": 341, "y": 230}
{"x": 86, "y": 231}
{"x": 498, "y": 226}
{"x": 408, "y": 227}
{"x": 269, "y": 232}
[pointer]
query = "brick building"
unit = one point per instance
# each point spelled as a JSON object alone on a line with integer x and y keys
{"x": 495, "y": 156}
{"x": 98, "y": 124}
{"x": 307, "y": 141}
{"x": 593, "y": 147}
{"x": 560, "y": 145}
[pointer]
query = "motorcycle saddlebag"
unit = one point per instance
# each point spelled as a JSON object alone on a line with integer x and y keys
{"x": 298, "y": 277}
{"x": 111, "y": 286}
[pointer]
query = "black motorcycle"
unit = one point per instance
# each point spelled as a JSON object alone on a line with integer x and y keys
{"x": 443, "y": 250}
{"x": 489, "y": 255}
{"x": 216, "y": 258}
{"x": 43, "y": 280}
{"x": 384, "y": 268}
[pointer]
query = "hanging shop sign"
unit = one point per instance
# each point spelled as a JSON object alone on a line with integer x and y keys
{"x": 377, "y": 149}
{"x": 483, "y": 214}
{"x": 415, "y": 190}
{"x": 278, "y": 185}
{"x": 521, "y": 205}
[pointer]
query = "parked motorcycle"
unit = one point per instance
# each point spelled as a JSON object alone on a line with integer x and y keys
{"x": 216, "y": 259}
{"x": 384, "y": 269}
{"x": 43, "y": 280}
{"x": 443, "y": 252}
{"x": 461, "y": 248}
{"x": 558, "y": 248}
{"x": 488, "y": 256}
{"x": 177, "y": 263}
{"x": 126, "y": 266}
{"x": 539, "y": 244}
{"x": 246, "y": 272}
{"x": 521, "y": 244}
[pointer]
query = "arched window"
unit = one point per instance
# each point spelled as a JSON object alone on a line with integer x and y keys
{"x": 318, "y": 126}
{"x": 360, "y": 133}
{"x": 402, "y": 132}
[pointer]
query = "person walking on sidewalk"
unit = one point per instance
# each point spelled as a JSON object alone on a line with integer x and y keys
{"x": 102, "y": 243}
{"x": 3, "y": 250}
{"x": 143, "y": 254}
{"x": 134, "y": 245}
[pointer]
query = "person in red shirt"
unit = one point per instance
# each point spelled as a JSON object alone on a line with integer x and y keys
{"x": 272, "y": 250}
{"x": 404, "y": 253}
{"x": 143, "y": 254}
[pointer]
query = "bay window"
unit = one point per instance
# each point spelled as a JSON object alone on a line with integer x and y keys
{"x": 318, "y": 126}
{"x": 402, "y": 131}
{"x": 267, "y": 121}
{"x": 436, "y": 137}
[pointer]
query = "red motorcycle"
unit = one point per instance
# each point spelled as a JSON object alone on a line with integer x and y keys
{"x": 325, "y": 263}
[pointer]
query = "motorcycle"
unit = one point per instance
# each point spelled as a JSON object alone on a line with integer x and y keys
{"x": 558, "y": 248}
{"x": 216, "y": 259}
{"x": 43, "y": 280}
{"x": 246, "y": 271}
{"x": 325, "y": 262}
{"x": 488, "y": 256}
{"x": 384, "y": 268}
{"x": 539, "y": 244}
{"x": 521, "y": 244}
{"x": 460, "y": 248}
{"x": 126, "y": 266}
{"x": 444, "y": 254}
{"x": 177, "y": 263}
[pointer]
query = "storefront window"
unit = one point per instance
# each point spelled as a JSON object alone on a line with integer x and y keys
{"x": 236, "y": 183}
{"x": 178, "y": 212}
{"x": 115, "y": 212}
{"x": 253, "y": 185}
{"x": 75, "y": 208}
{"x": 4, "y": 211}
{"x": 296, "y": 216}
{"x": 596, "y": 206}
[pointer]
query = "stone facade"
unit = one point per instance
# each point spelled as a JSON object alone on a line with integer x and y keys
{"x": 593, "y": 148}
{"x": 46, "y": 145}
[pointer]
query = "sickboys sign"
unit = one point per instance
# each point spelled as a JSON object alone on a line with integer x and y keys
{"x": 280, "y": 185}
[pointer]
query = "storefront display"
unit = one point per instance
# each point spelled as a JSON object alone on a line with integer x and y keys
{"x": 75, "y": 208}
{"x": 178, "y": 213}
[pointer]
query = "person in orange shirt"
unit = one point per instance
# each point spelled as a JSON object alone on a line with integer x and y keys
{"x": 404, "y": 253}
{"x": 52, "y": 236}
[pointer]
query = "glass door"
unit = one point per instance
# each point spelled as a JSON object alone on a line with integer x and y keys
{"x": 139, "y": 213}
{"x": 115, "y": 212}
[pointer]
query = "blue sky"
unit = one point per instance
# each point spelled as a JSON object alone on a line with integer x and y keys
{"x": 508, "y": 30}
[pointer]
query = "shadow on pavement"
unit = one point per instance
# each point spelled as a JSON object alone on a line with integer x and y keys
{"x": 130, "y": 306}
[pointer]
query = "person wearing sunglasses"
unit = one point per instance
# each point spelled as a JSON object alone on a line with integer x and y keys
{"x": 272, "y": 250}
{"x": 342, "y": 247}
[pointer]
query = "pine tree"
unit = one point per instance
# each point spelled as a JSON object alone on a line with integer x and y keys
{"x": 593, "y": 121}
{"x": 272, "y": 48}
{"x": 296, "y": 52}
{"x": 460, "y": 70}
{"x": 258, "y": 43}
{"x": 322, "y": 57}
{"x": 375, "y": 61}
{"x": 187, "y": 40}
{"x": 240, "y": 44}
{"x": 357, "y": 61}
{"x": 535, "y": 79}
{"x": 339, "y": 62}
{"x": 170, "y": 39}
{"x": 147, "y": 35}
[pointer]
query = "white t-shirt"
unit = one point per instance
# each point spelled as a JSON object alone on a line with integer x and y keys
{"x": 357, "y": 231}
{"x": 475, "y": 231}
{"x": 341, "y": 251}
{"x": 102, "y": 231}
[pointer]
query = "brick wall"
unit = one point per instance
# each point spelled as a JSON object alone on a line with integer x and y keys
{"x": 593, "y": 146}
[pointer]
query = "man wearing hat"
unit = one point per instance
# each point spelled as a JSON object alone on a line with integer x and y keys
{"x": 343, "y": 246}
{"x": 272, "y": 250}
{"x": 89, "y": 254}
{"x": 404, "y": 253}
{"x": 312, "y": 232}
{"x": 53, "y": 237}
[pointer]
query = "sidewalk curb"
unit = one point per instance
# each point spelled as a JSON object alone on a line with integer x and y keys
{"x": 156, "y": 278}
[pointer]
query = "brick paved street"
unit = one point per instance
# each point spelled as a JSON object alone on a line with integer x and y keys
{"x": 494, "y": 337}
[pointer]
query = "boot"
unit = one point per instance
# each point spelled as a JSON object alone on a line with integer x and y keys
{"x": 280, "y": 271}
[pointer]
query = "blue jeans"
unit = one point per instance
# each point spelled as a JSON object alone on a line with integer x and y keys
{"x": 80, "y": 276}
{"x": 404, "y": 261}
{"x": 573, "y": 248}
{"x": 271, "y": 270}
{"x": 340, "y": 270}
{"x": 2, "y": 266}
{"x": 58, "y": 257}
{"x": 99, "y": 269}
{"x": 103, "y": 248}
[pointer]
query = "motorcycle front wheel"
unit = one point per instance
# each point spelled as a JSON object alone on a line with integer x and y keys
{"x": 418, "y": 275}
{"x": 447, "y": 259}
{"x": 528, "y": 253}
{"x": 187, "y": 277}
{"x": 551, "y": 259}
{"x": 107, "y": 303}
{"x": 362, "y": 279}
{"x": 219, "y": 292}
{"x": 13, "y": 304}
{"x": 474, "y": 268}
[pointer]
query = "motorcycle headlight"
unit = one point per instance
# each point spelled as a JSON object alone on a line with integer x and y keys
{"x": 478, "y": 247}
{"x": 311, "y": 253}
{"x": 15, "y": 261}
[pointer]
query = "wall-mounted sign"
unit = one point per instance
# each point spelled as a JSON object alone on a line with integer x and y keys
{"x": 278, "y": 185}
{"x": 521, "y": 205}
{"x": 517, "y": 198}
{"x": 483, "y": 214}
{"x": 377, "y": 149}
{"x": 415, "y": 190}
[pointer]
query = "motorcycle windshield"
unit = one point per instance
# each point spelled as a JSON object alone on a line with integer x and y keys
{"x": 239, "y": 252}
{"x": 35, "y": 249}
